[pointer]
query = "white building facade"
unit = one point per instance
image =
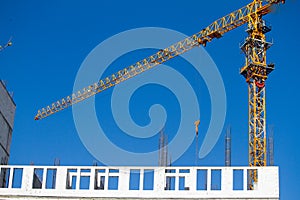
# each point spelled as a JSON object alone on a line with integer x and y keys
{"x": 99, "y": 182}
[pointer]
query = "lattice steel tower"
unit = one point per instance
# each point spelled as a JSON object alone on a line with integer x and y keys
{"x": 256, "y": 71}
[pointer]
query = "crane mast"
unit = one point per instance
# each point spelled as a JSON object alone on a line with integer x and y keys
{"x": 255, "y": 71}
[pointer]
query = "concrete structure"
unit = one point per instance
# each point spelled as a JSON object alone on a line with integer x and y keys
{"x": 74, "y": 183}
{"x": 7, "y": 114}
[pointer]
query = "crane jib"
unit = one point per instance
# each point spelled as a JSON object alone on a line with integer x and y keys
{"x": 214, "y": 30}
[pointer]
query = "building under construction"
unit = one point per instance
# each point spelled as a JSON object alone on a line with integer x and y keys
{"x": 7, "y": 114}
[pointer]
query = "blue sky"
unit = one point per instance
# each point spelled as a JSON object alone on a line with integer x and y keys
{"x": 51, "y": 39}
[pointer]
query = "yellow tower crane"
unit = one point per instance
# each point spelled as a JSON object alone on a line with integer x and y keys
{"x": 255, "y": 71}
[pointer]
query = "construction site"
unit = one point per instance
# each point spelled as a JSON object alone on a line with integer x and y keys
{"x": 153, "y": 113}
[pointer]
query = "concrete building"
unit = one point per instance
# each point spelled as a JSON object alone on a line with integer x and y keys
{"x": 7, "y": 114}
{"x": 100, "y": 182}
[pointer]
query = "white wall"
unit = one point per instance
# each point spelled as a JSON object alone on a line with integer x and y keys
{"x": 267, "y": 186}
